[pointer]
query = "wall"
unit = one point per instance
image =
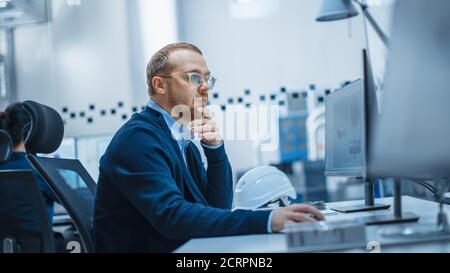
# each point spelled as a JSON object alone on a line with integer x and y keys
{"x": 152, "y": 24}
{"x": 93, "y": 52}
{"x": 79, "y": 58}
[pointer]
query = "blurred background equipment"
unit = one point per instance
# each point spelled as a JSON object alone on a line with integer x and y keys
{"x": 316, "y": 133}
{"x": 297, "y": 102}
{"x": 14, "y": 13}
{"x": 293, "y": 140}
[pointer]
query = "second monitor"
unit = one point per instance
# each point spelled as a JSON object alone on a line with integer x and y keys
{"x": 347, "y": 121}
{"x": 345, "y": 132}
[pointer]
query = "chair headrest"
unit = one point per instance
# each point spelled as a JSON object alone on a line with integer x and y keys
{"x": 47, "y": 129}
{"x": 6, "y": 147}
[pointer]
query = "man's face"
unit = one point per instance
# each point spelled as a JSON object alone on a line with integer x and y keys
{"x": 180, "y": 90}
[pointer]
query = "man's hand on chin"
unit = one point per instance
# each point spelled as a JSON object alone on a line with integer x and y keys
{"x": 205, "y": 128}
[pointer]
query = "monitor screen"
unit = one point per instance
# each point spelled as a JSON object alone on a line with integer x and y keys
{"x": 345, "y": 131}
{"x": 411, "y": 136}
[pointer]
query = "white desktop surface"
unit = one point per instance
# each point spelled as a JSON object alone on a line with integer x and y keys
{"x": 276, "y": 243}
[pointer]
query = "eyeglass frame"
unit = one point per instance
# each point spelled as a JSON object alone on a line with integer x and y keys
{"x": 205, "y": 78}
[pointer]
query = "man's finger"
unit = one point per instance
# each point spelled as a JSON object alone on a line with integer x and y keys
{"x": 196, "y": 122}
{"x": 210, "y": 136}
{"x": 205, "y": 112}
{"x": 202, "y": 121}
{"x": 203, "y": 129}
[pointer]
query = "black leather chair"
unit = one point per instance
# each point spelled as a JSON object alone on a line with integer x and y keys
{"x": 67, "y": 178}
{"x": 19, "y": 192}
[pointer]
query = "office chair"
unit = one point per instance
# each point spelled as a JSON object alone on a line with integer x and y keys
{"x": 14, "y": 236}
{"x": 67, "y": 178}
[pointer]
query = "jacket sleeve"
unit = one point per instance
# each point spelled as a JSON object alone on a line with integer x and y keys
{"x": 141, "y": 169}
{"x": 219, "y": 186}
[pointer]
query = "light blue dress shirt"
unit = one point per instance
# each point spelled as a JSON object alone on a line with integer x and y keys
{"x": 184, "y": 137}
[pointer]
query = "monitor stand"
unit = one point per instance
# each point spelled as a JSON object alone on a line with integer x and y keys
{"x": 369, "y": 201}
{"x": 380, "y": 219}
{"x": 441, "y": 231}
{"x": 385, "y": 219}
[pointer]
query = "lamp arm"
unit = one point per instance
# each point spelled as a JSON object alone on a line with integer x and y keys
{"x": 372, "y": 21}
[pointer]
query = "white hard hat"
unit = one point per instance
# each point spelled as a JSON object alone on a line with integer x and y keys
{"x": 260, "y": 186}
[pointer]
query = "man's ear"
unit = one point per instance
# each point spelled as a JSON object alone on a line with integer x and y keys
{"x": 159, "y": 85}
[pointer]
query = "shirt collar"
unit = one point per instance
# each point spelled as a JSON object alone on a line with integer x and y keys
{"x": 179, "y": 133}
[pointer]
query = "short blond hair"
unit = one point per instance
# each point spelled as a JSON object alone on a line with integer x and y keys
{"x": 159, "y": 63}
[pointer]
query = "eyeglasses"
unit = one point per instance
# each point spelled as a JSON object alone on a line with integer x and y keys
{"x": 196, "y": 79}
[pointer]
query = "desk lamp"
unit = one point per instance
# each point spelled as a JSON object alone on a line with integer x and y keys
{"x": 333, "y": 10}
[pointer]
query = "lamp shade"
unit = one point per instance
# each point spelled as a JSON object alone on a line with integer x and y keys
{"x": 333, "y": 10}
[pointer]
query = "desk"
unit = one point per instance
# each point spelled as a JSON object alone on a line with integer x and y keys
{"x": 276, "y": 243}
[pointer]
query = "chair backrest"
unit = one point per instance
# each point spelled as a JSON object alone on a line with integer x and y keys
{"x": 47, "y": 129}
{"x": 68, "y": 179}
{"x": 18, "y": 189}
{"x": 75, "y": 189}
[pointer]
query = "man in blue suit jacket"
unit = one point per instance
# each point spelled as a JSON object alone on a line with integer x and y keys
{"x": 153, "y": 192}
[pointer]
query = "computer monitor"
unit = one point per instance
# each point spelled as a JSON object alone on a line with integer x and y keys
{"x": 345, "y": 131}
{"x": 369, "y": 112}
{"x": 412, "y": 135}
{"x": 371, "y": 103}
{"x": 350, "y": 113}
